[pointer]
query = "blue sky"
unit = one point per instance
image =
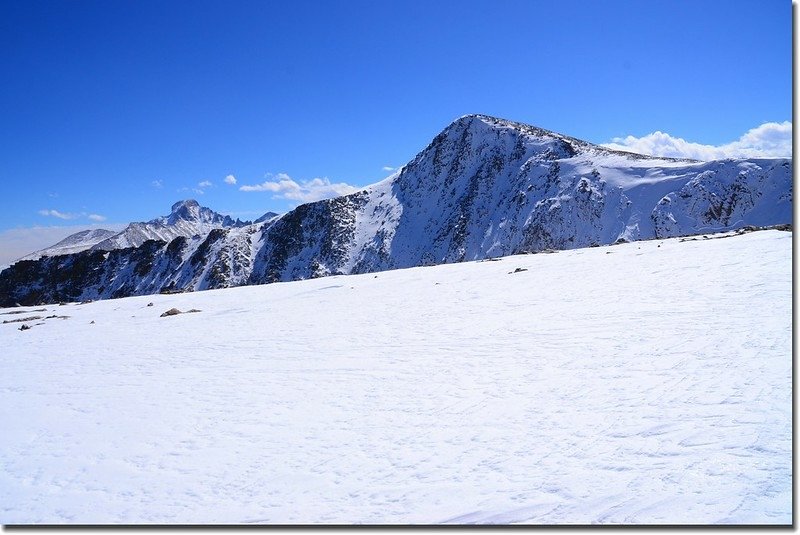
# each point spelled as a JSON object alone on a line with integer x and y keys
{"x": 111, "y": 111}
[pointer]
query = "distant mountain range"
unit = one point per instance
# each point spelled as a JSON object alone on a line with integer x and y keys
{"x": 187, "y": 218}
{"x": 484, "y": 187}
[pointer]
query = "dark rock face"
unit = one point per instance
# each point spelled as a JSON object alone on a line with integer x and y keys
{"x": 308, "y": 242}
{"x": 483, "y": 188}
{"x": 49, "y": 279}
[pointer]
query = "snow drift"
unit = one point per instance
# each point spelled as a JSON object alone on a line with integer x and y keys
{"x": 647, "y": 382}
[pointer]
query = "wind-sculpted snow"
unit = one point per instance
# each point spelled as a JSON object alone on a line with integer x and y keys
{"x": 483, "y": 188}
{"x": 726, "y": 196}
{"x": 646, "y": 382}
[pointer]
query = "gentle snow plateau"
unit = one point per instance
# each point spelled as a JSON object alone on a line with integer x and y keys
{"x": 647, "y": 382}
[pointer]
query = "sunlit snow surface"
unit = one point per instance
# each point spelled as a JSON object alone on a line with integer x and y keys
{"x": 642, "y": 383}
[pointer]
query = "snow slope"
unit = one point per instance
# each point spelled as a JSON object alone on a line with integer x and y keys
{"x": 74, "y": 243}
{"x": 646, "y": 382}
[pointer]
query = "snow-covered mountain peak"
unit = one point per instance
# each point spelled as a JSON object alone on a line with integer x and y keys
{"x": 489, "y": 121}
{"x": 187, "y": 219}
{"x": 551, "y": 144}
{"x": 188, "y": 204}
{"x": 190, "y": 210}
{"x": 478, "y": 137}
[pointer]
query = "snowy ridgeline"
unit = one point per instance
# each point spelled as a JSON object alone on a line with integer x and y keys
{"x": 641, "y": 383}
{"x": 483, "y": 188}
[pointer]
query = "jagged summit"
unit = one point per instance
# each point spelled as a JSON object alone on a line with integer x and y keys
{"x": 190, "y": 210}
{"x": 187, "y": 218}
{"x": 185, "y": 205}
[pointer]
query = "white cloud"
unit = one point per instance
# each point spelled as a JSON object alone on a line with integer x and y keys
{"x": 306, "y": 191}
{"x": 230, "y": 179}
{"x": 387, "y": 168}
{"x": 18, "y": 242}
{"x": 284, "y": 182}
{"x": 201, "y": 187}
{"x": 196, "y": 191}
{"x": 770, "y": 140}
{"x": 67, "y": 216}
{"x": 158, "y": 184}
{"x": 56, "y": 213}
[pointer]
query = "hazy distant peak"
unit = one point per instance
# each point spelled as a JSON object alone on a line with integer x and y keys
{"x": 190, "y": 210}
{"x": 73, "y": 243}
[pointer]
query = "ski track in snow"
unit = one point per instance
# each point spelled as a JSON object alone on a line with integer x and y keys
{"x": 648, "y": 382}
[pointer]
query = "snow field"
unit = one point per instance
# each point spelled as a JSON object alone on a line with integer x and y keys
{"x": 648, "y": 382}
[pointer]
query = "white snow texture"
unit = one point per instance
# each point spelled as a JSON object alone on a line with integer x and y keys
{"x": 646, "y": 382}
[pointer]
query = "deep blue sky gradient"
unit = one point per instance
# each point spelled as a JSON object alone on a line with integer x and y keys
{"x": 99, "y": 99}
